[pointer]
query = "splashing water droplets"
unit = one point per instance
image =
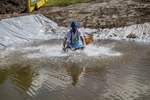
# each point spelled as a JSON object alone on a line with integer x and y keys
{"x": 56, "y": 51}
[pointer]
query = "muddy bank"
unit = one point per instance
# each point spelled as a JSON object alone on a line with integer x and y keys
{"x": 12, "y": 6}
{"x": 114, "y": 13}
{"x": 97, "y": 14}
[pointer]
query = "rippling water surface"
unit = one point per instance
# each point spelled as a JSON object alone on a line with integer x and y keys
{"x": 105, "y": 70}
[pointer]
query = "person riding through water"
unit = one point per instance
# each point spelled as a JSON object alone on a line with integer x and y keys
{"x": 74, "y": 38}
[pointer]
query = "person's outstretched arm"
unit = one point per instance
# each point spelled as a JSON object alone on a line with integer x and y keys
{"x": 83, "y": 41}
{"x": 64, "y": 42}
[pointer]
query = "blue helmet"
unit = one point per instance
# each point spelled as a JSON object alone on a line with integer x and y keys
{"x": 74, "y": 25}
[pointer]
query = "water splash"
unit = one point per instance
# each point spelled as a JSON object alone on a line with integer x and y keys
{"x": 92, "y": 50}
{"x": 56, "y": 51}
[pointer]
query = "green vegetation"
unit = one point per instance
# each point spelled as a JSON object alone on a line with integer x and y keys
{"x": 63, "y": 2}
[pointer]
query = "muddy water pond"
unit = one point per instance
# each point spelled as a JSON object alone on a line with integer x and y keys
{"x": 104, "y": 70}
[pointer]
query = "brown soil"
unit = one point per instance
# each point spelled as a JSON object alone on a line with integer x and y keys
{"x": 11, "y": 6}
{"x": 97, "y": 13}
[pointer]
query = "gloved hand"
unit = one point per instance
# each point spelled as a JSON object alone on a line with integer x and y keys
{"x": 64, "y": 49}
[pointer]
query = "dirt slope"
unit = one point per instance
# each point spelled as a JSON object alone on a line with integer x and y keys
{"x": 97, "y": 13}
{"x": 11, "y": 6}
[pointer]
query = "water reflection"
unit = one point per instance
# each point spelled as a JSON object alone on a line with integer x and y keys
{"x": 75, "y": 70}
{"x": 18, "y": 78}
{"x": 125, "y": 77}
{"x": 3, "y": 75}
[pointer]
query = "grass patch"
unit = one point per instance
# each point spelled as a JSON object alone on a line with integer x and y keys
{"x": 63, "y": 2}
